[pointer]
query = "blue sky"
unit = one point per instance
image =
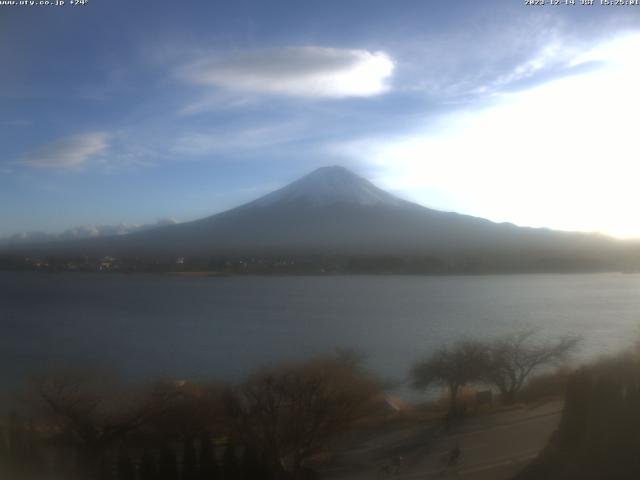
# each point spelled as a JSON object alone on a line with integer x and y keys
{"x": 131, "y": 112}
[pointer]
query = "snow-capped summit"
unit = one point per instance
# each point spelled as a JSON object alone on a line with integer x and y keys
{"x": 329, "y": 185}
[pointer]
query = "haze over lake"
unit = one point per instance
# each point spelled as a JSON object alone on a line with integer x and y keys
{"x": 149, "y": 326}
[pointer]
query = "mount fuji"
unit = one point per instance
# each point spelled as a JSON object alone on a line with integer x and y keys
{"x": 333, "y": 211}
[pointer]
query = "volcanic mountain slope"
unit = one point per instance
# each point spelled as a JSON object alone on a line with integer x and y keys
{"x": 333, "y": 211}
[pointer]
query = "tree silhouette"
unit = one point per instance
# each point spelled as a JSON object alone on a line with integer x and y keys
{"x": 33, "y": 461}
{"x": 599, "y": 432}
{"x": 209, "y": 469}
{"x": 251, "y": 465}
{"x": 148, "y": 466}
{"x": 126, "y": 468}
{"x": 18, "y": 449}
{"x": 167, "y": 464}
{"x": 514, "y": 357}
{"x": 230, "y": 468}
{"x": 105, "y": 471}
{"x": 17, "y": 446}
{"x": 4, "y": 454}
{"x": 189, "y": 460}
{"x": 452, "y": 367}
{"x": 95, "y": 419}
{"x": 287, "y": 414}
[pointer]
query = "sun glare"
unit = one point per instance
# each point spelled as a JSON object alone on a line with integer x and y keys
{"x": 560, "y": 155}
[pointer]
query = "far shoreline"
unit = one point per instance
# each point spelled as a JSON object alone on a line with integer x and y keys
{"x": 218, "y": 274}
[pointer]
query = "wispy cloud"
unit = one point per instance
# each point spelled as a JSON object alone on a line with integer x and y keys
{"x": 67, "y": 152}
{"x": 312, "y": 72}
{"x": 540, "y": 156}
{"x": 200, "y": 143}
{"x": 508, "y": 56}
{"x": 218, "y": 101}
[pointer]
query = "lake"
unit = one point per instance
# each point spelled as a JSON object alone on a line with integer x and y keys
{"x": 148, "y": 325}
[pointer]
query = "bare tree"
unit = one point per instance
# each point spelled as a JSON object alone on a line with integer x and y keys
{"x": 92, "y": 419}
{"x": 514, "y": 357}
{"x": 287, "y": 414}
{"x": 452, "y": 367}
{"x": 194, "y": 408}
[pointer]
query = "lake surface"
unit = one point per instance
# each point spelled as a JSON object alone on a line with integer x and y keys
{"x": 146, "y": 325}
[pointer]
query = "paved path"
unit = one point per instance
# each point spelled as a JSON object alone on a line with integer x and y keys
{"x": 492, "y": 447}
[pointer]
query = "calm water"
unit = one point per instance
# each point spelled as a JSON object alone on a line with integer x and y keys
{"x": 225, "y": 327}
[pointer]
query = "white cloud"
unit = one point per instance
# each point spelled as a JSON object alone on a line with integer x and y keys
{"x": 297, "y": 71}
{"x": 218, "y": 101}
{"x": 67, "y": 152}
{"x": 561, "y": 155}
{"x": 87, "y": 231}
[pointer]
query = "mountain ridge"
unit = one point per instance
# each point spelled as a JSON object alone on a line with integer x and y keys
{"x": 334, "y": 212}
